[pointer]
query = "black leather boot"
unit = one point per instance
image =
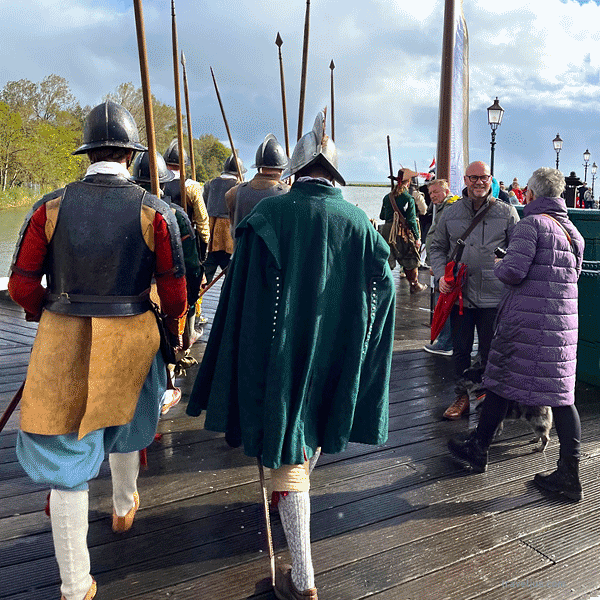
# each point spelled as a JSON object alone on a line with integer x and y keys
{"x": 565, "y": 480}
{"x": 471, "y": 451}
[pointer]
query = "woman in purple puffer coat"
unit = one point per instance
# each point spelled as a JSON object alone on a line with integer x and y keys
{"x": 534, "y": 351}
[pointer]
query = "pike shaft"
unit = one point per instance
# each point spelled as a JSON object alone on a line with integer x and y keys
{"x": 178, "y": 109}
{"x": 148, "y": 113}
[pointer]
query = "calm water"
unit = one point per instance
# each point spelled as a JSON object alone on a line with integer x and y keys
{"x": 368, "y": 198}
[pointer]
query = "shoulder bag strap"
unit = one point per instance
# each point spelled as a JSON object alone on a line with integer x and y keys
{"x": 563, "y": 228}
{"x": 460, "y": 243}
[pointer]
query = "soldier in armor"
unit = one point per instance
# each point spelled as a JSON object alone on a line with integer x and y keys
{"x": 299, "y": 354}
{"x": 197, "y": 214}
{"x": 99, "y": 241}
{"x": 220, "y": 247}
{"x": 270, "y": 162}
{"x": 193, "y": 270}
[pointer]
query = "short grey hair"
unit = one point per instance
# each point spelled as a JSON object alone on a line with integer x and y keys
{"x": 546, "y": 182}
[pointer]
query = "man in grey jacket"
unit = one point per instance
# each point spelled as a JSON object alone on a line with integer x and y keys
{"x": 482, "y": 290}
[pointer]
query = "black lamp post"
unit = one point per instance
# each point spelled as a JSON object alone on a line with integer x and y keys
{"x": 557, "y": 146}
{"x": 586, "y": 160}
{"x": 594, "y": 169}
{"x": 495, "y": 113}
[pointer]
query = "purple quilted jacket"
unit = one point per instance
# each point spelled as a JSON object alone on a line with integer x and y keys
{"x": 534, "y": 351}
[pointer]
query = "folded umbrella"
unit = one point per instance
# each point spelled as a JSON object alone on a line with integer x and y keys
{"x": 455, "y": 276}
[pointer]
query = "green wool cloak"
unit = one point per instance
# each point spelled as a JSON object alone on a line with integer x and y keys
{"x": 300, "y": 350}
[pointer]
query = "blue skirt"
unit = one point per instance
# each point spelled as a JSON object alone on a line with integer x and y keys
{"x": 64, "y": 462}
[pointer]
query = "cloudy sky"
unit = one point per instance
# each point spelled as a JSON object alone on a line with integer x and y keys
{"x": 540, "y": 57}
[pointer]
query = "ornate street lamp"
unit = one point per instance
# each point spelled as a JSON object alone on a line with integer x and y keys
{"x": 557, "y": 146}
{"x": 495, "y": 113}
{"x": 593, "y": 169}
{"x": 586, "y": 160}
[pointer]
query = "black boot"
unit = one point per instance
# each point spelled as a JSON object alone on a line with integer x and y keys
{"x": 565, "y": 480}
{"x": 471, "y": 450}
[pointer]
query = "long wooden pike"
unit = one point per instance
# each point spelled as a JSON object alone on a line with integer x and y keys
{"x": 235, "y": 158}
{"x": 332, "y": 67}
{"x": 304, "y": 69}
{"x": 178, "y": 108}
{"x": 263, "y": 490}
{"x": 213, "y": 282}
{"x": 279, "y": 43}
{"x": 11, "y": 407}
{"x": 189, "y": 117}
{"x": 147, "y": 95}
{"x": 389, "y": 146}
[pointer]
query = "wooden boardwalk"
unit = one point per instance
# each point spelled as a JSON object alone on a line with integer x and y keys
{"x": 397, "y": 522}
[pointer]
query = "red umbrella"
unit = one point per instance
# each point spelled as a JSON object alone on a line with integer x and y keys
{"x": 446, "y": 301}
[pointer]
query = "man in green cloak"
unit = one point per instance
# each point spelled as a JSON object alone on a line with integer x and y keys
{"x": 299, "y": 355}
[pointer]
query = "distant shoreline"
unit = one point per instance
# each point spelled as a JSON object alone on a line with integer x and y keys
{"x": 359, "y": 184}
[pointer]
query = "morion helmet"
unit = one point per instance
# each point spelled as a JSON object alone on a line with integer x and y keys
{"x": 270, "y": 154}
{"x": 110, "y": 125}
{"x": 229, "y": 166}
{"x": 171, "y": 155}
{"x": 315, "y": 148}
{"x": 141, "y": 169}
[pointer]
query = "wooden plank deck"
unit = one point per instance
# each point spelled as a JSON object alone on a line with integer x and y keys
{"x": 397, "y": 522}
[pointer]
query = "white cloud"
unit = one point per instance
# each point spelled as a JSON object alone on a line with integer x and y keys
{"x": 541, "y": 58}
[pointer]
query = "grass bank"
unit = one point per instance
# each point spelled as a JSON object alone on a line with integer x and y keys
{"x": 17, "y": 197}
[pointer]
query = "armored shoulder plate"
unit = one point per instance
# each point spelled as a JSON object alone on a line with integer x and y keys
{"x": 51, "y": 196}
{"x": 165, "y": 210}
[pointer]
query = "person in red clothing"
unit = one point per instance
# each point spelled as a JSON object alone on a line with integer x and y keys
{"x": 96, "y": 375}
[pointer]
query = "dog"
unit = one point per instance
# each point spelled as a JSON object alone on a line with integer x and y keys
{"x": 539, "y": 418}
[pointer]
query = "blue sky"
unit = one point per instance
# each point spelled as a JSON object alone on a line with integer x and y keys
{"x": 540, "y": 57}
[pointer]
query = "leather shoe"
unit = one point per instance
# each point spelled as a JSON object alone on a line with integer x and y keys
{"x": 123, "y": 524}
{"x": 285, "y": 588}
{"x": 456, "y": 410}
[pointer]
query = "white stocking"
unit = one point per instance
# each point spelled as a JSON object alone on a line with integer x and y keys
{"x": 69, "y": 518}
{"x": 294, "y": 512}
{"x": 124, "y": 469}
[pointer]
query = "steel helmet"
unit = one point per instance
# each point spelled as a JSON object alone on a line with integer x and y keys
{"x": 141, "y": 169}
{"x": 110, "y": 125}
{"x": 270, "y": 154}
{"x": 229, "y": 166}
{"x": 171, "y": 155}
{"x": 315, "y": 148}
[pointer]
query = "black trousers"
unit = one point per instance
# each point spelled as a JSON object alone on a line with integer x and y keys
{"x": 463, "y": 335}
{"x": 566, "y": 421}
{"x": 214, "y": 260}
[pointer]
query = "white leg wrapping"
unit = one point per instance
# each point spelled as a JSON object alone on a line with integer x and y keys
{"x": 312, "y": 463}
{"x": 69, "y": 517}
{"x": 124, "y": 469}
{"x": 294, "y": 512}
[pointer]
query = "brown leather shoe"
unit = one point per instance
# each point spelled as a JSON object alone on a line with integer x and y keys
{"x": 285, "y": 588}
{"x": 123, "y": 524}
{"x": 91, "y": 592}
{"x": 417, "y": 287}
{"x": 456, "y": 410}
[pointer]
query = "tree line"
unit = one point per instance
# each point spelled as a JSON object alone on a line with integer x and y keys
{"x": 42, "y": 123}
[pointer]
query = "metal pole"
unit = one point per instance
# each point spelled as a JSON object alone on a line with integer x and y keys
{"x": 493, "y": 144}
{"x": 557, "y": 152}
{"x": 189, "y": 117}
{"x": 178, "y": 108}
{"x": 585, "y": 173}
{"x": 148, "y": 114}
{"x": 332, "y": 67}
{"x": 279, "y": 43}
{"x": 304, "y": 68}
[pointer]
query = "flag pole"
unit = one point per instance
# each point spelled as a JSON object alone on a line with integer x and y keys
{"x": 445, "y": 105}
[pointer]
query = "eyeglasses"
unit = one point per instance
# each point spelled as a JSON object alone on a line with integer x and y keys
{"x": 482, "y": 178}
